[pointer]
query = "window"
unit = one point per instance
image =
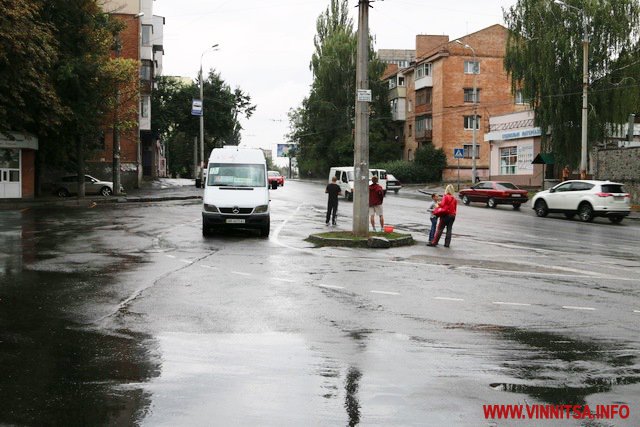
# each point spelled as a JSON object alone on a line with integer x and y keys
{"x": 410, "y": 130}
{"x": 468, "y": 122}
{"x": 468, "y": 95}
{"x": 468, "y": 148}
{"x": 519, "y": 98}
{"x": 9, "y": 158}
{"x": 423, "y": 70}
{"x": 423, "y": 96}
{"x": 508, "y": 160}
{"x": 581, "y": 186}
{"x": 471, "y": 67}
{"x": 147, "y": 30}
{"x": 424, "y": 123}
{"x": 236, "y": 175}
{"x": 144, "y": 105}
{"x": 392, "y": 83}
{"x": 394, "y": 105}
{"x": 400, "y": 80}
{"x": 145, "y": 70}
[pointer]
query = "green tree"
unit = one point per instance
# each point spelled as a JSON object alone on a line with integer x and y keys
{"x": 323, "y": 125}
{"x": 544, "y": 59}
{"x": 172, "y": 119}
{"x": 28, "y": 54}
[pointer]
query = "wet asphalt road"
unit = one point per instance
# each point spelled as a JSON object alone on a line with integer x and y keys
{"x": 125, "y": 315}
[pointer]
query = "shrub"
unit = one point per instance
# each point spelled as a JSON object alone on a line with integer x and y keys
{"x": 427, "y": 166}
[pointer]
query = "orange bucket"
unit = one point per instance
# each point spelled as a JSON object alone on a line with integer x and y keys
{"x": 388, "y": 228}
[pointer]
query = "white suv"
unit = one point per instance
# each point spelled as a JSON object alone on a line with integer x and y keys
{"x": 588, "y": 199}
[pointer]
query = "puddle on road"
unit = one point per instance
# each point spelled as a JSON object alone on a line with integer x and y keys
{"x": 561, "y": 370}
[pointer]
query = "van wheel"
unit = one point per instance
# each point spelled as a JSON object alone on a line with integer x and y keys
{"x": 396, "y": 191}
{"x": 349, "y": 196}
{"x": 264, "y": 231}
{"x": 206, "y": 232}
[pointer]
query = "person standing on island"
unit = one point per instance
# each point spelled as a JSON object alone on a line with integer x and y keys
{"x": 449, "y": 208}
{"x": 333, "y": 190}
{"x": 434, "y": 219}
{"x": 566, "y": 173}
{"x": 376, "y": 194}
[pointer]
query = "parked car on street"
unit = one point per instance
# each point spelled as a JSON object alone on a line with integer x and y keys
{"x": 587, "y": 199}
{"x": 69, "y": 185}
{"x": 275, "y": 179}
{"x": 494, "y": 193}
{"x": 393, "y": 184}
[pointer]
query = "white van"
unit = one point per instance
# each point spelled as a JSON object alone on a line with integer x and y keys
{"x": 236, "y": 193}
{"x": 345, "y": 179}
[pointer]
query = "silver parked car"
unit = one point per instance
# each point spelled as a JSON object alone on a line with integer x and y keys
{"x": 69, "y": 185}
{"x": 587, "y": 199}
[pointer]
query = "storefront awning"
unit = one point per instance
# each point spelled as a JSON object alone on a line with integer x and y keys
{"x": 18, "y": 140}
{"x": 543, "y": 159}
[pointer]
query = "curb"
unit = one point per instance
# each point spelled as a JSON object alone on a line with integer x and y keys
{"x": 357, "y": 243}
{"x": 90, "y": 201}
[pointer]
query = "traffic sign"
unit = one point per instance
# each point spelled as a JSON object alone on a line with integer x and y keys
{"x": 196, "y": 107}
{"x": 458, "y": 153}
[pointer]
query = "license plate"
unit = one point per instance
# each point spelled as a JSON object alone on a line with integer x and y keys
{"x": 516, "y": 195}
{"x": 618, "y": 198}
{"x": 235, "y": 221}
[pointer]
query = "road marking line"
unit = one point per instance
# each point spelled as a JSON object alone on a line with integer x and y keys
{"x": 636, "y": 311}
{"x": 284, "y": 280}
{"x": 448, "y": 299}
{"x": 171, "y": 256}
{"x": 186, "y": 261}
{"x": 209, "y": 267}
{"x": 510, "y": 303}
{"x": 330, "y": 286}
{"x": 572, "y": 307}
{"x": 240, "y": 273}
{"x": 384, "y": 293}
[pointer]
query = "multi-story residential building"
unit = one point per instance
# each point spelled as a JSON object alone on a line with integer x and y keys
{"x": 433, "y": 100}
{"x": 400, "y": 57}
{"x": 141, "y": 152}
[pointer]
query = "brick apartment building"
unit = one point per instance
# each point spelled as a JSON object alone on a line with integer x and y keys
{"x": 432, "y": 100}
{"x": 141, "y": 152}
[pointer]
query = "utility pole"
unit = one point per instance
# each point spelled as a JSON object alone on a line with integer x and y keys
{"x": 361, "y": 148}
{"x": 116, "y": 130}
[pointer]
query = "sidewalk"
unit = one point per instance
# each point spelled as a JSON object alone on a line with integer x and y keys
{"x": 162, "y": 189}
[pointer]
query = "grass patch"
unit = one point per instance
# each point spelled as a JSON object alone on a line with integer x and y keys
{"x": 350, "y": 236}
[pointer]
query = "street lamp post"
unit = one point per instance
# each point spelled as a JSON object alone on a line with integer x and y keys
{"x": 202, "y": 160}
{"x": 585, "y": 85}
{"x": 475, "y": 111}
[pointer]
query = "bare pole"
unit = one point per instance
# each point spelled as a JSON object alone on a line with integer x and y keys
{"x": 361, "y": 148}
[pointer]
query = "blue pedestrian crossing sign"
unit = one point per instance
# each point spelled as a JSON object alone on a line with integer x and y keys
{"x": 458, "y": 153}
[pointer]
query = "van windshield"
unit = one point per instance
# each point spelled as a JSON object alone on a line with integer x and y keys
{"x": 236, "y": 175}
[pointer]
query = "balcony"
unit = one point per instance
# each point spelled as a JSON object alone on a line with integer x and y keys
{"x": 424, "y": 135}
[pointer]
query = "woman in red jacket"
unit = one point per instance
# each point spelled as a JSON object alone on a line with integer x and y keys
{"x": 449, "y": 206}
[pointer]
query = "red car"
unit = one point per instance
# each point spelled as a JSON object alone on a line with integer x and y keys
{"x": 275, "y": 179}
{"x": 494, "y": 193}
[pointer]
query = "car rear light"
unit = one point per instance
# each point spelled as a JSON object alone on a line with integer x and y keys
{"x": 627, "y": 196}
{"x": 604, "y": 194}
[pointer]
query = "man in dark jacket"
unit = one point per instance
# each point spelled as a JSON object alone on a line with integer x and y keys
{"x": 376, "y": 194}
{"x": 333, "y": 190}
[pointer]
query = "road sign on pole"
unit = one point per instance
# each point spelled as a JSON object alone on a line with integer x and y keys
{"x": 458, "y": 153}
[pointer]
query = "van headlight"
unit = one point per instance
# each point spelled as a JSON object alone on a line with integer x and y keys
{"x": 261, "y": 209}
{"x": 210, "y": 208}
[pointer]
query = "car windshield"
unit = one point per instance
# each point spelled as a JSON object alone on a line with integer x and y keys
{"x": 612, "y": 188}
{"x": 508, "y": 185}
{"x": 272, "y": 173}
{"x": 236, "y": 175}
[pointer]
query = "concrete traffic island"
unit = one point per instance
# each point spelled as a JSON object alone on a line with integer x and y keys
{"x": 374, "y": 240}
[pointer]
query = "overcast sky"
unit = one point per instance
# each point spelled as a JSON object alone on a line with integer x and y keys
{"x": 265, "y": 46}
